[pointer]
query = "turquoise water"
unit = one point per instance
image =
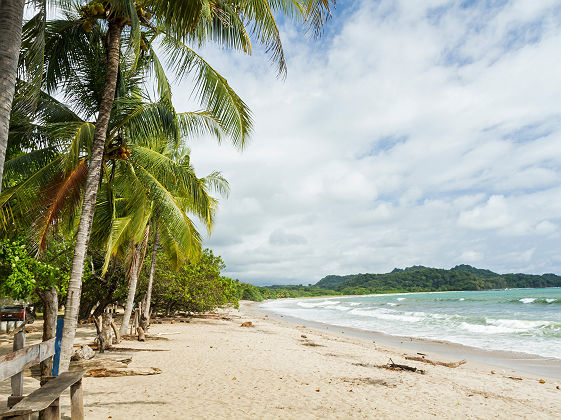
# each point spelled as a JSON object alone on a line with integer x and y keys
{"x": 520, "y": 320}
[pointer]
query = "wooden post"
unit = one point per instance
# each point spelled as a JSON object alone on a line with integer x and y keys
{"x": 76, "y": 401}
{"x": 52, "y": 412}
{"x": 50, "y": 309}
{"x": 17, "y": 380}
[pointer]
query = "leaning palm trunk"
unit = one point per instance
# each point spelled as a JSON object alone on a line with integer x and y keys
{"x": 145, "y": 318}
{"x": 11, "y": 18}
{"x": 88, "y": 206}
{"x": 137, "y": 266}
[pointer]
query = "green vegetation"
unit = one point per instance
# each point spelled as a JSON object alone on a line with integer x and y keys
{"x": 410, "y": 279}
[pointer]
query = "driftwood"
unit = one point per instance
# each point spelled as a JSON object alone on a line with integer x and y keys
{"x": 395, "y": 366}
{"x": 128, "y": 337}
{"x": 104, "y": 363}
{"x": 112, "y": 372}
{"x": 133, "y": 349}
{"x": 436, "y": 362}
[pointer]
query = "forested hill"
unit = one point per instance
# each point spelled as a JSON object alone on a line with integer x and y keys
{"x": 419, "y": 279}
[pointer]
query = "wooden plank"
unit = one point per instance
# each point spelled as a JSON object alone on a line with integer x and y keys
{"x": 13, "y": 363}
{"x": 17, "y": 379}
{"x": 76, "y": 401}
{"x": 43, "y": 397}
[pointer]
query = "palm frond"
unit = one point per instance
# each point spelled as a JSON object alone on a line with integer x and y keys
{"x": 65, "y": 192}
{"x": 212, "y": 90}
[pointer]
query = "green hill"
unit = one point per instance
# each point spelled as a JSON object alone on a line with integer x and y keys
{"x": 424, "y": 279}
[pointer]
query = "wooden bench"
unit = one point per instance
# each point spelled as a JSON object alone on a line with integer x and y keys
{"x": 44, "y": 400}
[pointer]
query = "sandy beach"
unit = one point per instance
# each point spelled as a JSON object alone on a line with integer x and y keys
{"x": 214, "y": 368}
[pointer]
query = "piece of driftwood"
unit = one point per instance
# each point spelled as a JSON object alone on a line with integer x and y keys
{"x": 396, "y": 366}
{"x": 133, "y": 349}
{"x": 436, "y": 362}
{"x": 247, "y": 324}
{"x": 104, "y": 363}
{"x": 114, "y": 372}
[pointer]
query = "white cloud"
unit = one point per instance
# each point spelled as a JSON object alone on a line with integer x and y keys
{"x": 417, "y": 133}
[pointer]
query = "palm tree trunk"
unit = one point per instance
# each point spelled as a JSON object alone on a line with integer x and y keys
{"x": 94, "y": 173}
{"x": 11, "y": 22}
{"x": 139, "y": 258}
{"x": 145, "y": 318}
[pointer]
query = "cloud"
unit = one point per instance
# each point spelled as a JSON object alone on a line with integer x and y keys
{"x": 280, "y": 238}
{"x": 413, "y": 133}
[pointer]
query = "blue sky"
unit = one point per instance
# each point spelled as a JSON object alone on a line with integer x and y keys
{"x": 411, "y": 133}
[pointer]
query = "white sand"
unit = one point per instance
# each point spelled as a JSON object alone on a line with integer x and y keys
{"x": 215, "y": 369}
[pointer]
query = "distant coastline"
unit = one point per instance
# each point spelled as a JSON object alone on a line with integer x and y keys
{"x": 410, "y": 279}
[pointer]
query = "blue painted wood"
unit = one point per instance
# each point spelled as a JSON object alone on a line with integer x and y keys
{"x": 58, "y": 341}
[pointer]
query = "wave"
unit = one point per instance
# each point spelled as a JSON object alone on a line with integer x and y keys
{"x": 324, "y": 303}
{"x": 401, "y": 298}
{"x": 528, "y": 300}
{"x": 389, "y": 315}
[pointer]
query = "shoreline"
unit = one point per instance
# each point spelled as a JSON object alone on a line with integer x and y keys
{"x": 214, "y": 367}
{"x": 514, "y": 361}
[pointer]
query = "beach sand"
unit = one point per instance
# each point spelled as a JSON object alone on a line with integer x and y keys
{"x": 216, "y": 369}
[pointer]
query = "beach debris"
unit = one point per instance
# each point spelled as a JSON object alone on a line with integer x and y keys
{"x": 101, "y": 363}
{"x": 317, "y": 390}
{"x": 114, "y": 372}
{"x": 247, "y": 324}
{"x": 396, "y": 366}
{"x": 133, "y": 349}
{"x": 514, "y": 378}
{"x": 436, "y": 362}
{"x": 493, "y": 372}
{"x": 542, "y": 381}
{"x": 83, "y": 353}
{"x": 303, "y": 336}
{"x": 558, "y": 387}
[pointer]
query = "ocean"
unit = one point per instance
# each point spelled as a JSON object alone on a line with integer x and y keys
{"x": 518, "y": 320}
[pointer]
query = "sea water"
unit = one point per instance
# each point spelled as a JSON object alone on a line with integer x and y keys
{"x": 519, "y": 320}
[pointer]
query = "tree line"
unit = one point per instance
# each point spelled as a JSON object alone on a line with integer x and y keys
{"x": 411, "y": 279}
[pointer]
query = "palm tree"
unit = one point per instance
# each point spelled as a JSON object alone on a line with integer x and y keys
{"x": 175, "y": 25}
{"x": 49, "y": 188}
{"x": 154, "y": 187}
{"x": 11, "y": 15}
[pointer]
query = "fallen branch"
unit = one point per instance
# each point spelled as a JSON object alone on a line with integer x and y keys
{"x": 436, "y": 362}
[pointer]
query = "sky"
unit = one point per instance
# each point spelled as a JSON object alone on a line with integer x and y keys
{"x": 411, "y": 133}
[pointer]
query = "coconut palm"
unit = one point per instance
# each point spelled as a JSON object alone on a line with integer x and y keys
{"x": 131, "y": 28}
{"x": 155, "y": 187}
